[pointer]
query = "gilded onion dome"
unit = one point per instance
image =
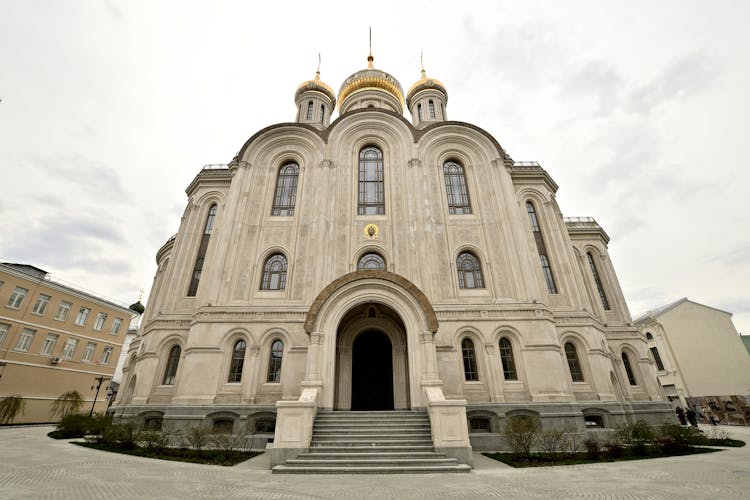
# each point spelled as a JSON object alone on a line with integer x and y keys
{"x": 318, "y": 85}
{"x": 425, "y": 83}
{"x": 371, "y": 78}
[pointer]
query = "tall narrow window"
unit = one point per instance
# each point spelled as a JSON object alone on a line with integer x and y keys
{"x": 116, "y": 324}
{"x": 25, "y": 339}
{"x": 106, "y": 354}
{"x": 419, "y": 112}
{"x": 506, "y": 357}
{"x": 49, "y": 344}
{"x": 16, "y": 298}
{"x": 4, "y": 327}
{"x": 574, "y": 364}
{"x": 63, "y": 310}
{"x": 88, "y": 353}
{"x": 172, "y": 362}
{"x": 544, "y": 259}
{"x": 657, "y": 358}
{"x": 238, "y": 361}
{"x": 310, "y": 110}
{"x": 274, "y": 361}
{"x": 431, "y": 106}
{"x": 371, "y": 184}
{"x": 598, "y": 281}
{"x": 198, "y": 268}
{"x": 70, "y": 348}
{"x": 274, "y": 273}
{"x": 83, "y": 314}
{"x": 41, "y": 304}
{"x": 371, "y": 262}
{"x": 455, "y": 188}
{"x": 469, "y": 271}
{"x": 286, "y": 190}
{"x": 100, "y": 319}
{"x": 322, "y": 113}
{"x": 628, "y": 369}
{"x": 470, "y": 360}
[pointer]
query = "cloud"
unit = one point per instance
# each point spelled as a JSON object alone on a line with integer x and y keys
{"x": 80, "y": 173}
{"x": 686, "y": 76}
{"x": 597, "y": 81}
{"x": 739, "y": 256}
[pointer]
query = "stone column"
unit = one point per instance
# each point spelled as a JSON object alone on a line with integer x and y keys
{"x": 429, "y": 357}
{"x": 250, "y": 386}
{"x": 312, "y": 371}
{"x": 494, "y": 375}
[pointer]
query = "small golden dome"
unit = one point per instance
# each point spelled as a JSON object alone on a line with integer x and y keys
{"x": 369, "y": 78}
{"x": 317, "y": 85}
{"x": 425, "y": 83}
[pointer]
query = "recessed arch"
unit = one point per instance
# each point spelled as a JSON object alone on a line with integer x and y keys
{"x": 409, "y": 287}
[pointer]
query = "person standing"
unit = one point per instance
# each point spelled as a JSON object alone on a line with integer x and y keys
{"x": 680, "y": 415}
{"x": 691, "y": 417}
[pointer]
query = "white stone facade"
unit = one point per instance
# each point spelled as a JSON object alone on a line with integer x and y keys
{"x": 417, "y": 301}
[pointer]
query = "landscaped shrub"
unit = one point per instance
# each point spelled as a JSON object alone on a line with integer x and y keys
{"x": 66, "y": 404}
{"x": 592, "y": 448}
{"x": 224, "y": 441}
{"x": 119, "y": 435}
{"x": 198, "y": 437}
{"x": 675, "y": 437}
{"x": 613, "y": 449}
{"x": 637, "y": 435}
{"x": 155, "y": 441}
{"x": 520, "y": 433}
{"x": 10, "y": 407}
{"x": 552, "y": 440}
{"x": 78, "y": 425}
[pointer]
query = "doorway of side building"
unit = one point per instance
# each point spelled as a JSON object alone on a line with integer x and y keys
{"x": 371, "y": 360}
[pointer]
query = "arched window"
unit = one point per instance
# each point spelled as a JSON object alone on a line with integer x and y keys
{"x": 506, "y": 357}
{"x": 310, "y": 110}
{"x": 544, "y": 259}
{"x": 198, "y": 268}
{"x": 628, "y": 369}
{"x": 598, "y": 281}
{"x": 238, "y": 361}
{"x": 371, "y": 262}
{"x": 371, "y": 185}
{"x": 431, "y": 106}
{"x": 574, "y": 364}
{"x": 274, "y": 273}
{"x": 274, "y": 361}
{"x": 286, "y": 190}
{"x": 649, "y": 336}
{"x": 470, "y": 360}
{"x": 172, "y": 362}
{"x": 469, "y": 271}
{"x": 419, "y": 112}
{"x": 455, "y": 188}
{"x": 657, "y": 358}
{"x": 322, "y": 113}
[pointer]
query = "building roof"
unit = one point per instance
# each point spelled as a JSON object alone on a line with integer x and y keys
{"x": 746, "y": 341}
{"x": 654, "y": 313}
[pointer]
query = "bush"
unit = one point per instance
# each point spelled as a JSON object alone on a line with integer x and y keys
{"x": 10, "y": 407}
{"x": 67, "y": 403}
{"x": 520, "y": 433}
{"x": 198, "y": 437}
{"x": 78, "y": 425}
{"x": 552, "y": 440}
{"x": 224, "y": 441}
{"x": 153, "y": 440}
{"x": 613, "y": 449}
{"x": 119, "y": 435}
{"x": 675, "y": 437}
{"x": 592, "y": 448}
{"x": 637, "y": 436}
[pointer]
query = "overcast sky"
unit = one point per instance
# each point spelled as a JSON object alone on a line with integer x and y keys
{"x": 638, "y": 110}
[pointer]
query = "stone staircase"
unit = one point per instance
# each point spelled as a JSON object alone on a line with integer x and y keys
{"x": 371, "y": 442}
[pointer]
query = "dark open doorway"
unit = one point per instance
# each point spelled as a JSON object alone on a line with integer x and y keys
{"x": 372, "y": 372}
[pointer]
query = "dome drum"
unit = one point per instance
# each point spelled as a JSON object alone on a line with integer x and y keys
{"x": 383, "y": 87}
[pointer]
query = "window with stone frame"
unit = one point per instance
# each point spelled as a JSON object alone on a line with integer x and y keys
{"x": 470, "y": 360}
{"x": 63, "y": 310}
{"x": 469, "y": 271}
{"x": 285, "y": 197}
{"x": 41, "y": 304}
{"x": 455, "y": 188}
{"x": 173, "y": 361}
{"x": 208, "y": 229}
{"x": 237, "y": 362}
{"x": 507, "y": 360}
{"x": 275, "y": 358}
{"x": 574, "y": 364}
{"x": 274, "y": 273}
{"x": 371, "y": 182}
{"x": 541, "y": 248}
{"x": 16, "y": 297}
{"x": 371, "y": 262}
{"x": 628, "y": 369}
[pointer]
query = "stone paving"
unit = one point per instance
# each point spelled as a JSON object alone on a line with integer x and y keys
{"x": 34, "y": 466}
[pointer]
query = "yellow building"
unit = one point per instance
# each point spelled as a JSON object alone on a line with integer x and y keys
{"x": 53, "y": 339}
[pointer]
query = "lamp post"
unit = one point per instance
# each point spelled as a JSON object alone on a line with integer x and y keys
{"x": 99, "y": 380}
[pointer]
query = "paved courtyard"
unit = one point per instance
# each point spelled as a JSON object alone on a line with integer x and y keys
{"x": 35, "y": 466}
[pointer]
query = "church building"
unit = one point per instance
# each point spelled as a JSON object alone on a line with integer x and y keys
{"x": 381, "y": 267}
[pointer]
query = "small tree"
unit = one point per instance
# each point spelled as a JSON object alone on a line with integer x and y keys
{"x": 198, "y": 437}
{"x": 10, "y": 407}
{"x": 520, "y": 433}
{"x": 67, "y": 403}
{"x": 552, "y": 440}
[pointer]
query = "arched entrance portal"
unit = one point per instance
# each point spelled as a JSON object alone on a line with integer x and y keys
{"x": 372, "y": 372}
{"x": 371, "y": 360}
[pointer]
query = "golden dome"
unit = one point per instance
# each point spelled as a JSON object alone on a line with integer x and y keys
{"x": 316, "y": 85}
{"x": 370, "y": 78}
{"x": 425, "y": 83}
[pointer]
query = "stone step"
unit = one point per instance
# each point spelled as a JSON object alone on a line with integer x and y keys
{"x": 380, "y": 453}
{"x": 372, "y": 442}
{"x": 364, "y": 431}
{"x": 324, "y": 448}
{"x": 369, "y": 469}
{"x": 376, "y": 461}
